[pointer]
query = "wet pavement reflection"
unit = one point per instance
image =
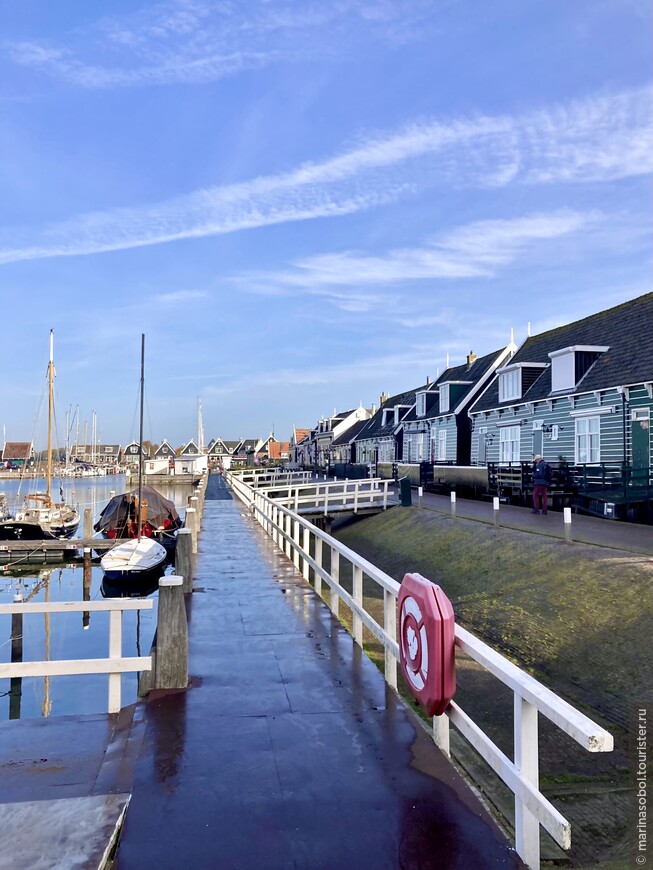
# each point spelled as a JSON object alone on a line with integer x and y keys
{"x": 289, "y": 751}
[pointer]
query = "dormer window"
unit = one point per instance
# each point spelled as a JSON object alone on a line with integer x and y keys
{"x": 384, "y": 417}
{"x": 570, "y": 364}
{"x": 444, "y": 398}
{"x": 420, "y": 409}
{"x": 510, "y": 384}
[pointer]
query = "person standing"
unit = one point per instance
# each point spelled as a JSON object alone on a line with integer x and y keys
{"x": 541, "y": 482}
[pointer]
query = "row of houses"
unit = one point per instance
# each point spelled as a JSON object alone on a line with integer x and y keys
{"x": 579, "y": 395}
{"x": 158, "y": 459}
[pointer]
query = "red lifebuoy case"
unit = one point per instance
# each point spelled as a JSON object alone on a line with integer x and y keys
{"x": 427, "y": 643}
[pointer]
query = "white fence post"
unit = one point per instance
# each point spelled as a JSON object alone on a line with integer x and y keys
{"x": 317, "y": 579}
{"x": 115, "y": 652}
{"x": 357, "y": 594}
{"x": 567, "y": 520}
{"x": 390, "y": 627}
{"x": 334, "y": 598}
{"x": 295, "y": 537}
{"x": 306, "y": 544}
{"x": 527, "y": 828}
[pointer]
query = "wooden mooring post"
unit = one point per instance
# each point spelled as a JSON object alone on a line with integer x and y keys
{"x": 88, "y": 524}
{"x": 171, "y": 662}
{"x": 191, "y": 523}
{"x": 184, "y": 558}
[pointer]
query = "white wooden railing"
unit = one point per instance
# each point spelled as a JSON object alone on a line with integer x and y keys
{"x": 114, "y": 665}
{"x": 327, "y": 497}
{"x": 258, "y": 478}
{"x": 298, "y": 537}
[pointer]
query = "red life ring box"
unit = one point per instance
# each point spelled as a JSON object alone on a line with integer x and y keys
{"x": 427, "y": 643}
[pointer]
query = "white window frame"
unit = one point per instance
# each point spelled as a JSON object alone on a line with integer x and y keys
{"x": 510, "y": 385}
{"x": 444, "y": 398}
{"x": 587, "y": 443}
{"x": 442, "y": 445}
{"x": 434, "y": 445}
{"x": 420, "y": 404}
{"x": 509, "y": 444}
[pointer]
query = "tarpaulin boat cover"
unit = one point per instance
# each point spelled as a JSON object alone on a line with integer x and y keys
{"x": 116, "y": 513}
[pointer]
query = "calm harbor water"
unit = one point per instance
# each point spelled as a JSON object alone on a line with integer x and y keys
{"x": 74, "y": 635}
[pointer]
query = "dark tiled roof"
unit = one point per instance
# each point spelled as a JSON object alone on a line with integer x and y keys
{"x": 627, "y": 330}
{"x": 17, "y": 450}
{"x": 432, "y": 404}
{"x": 374, "y": 427}
{"x": 472, "y": 373}
{"x": 349, "y": 434}
{"x": 247, "y": 445}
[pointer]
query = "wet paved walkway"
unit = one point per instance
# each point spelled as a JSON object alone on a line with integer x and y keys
{"x": 630, "y": 537}
{"x": 289, "y": 751}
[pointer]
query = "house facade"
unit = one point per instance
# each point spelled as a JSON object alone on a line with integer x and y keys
{"x": 132, "y": 452}
{"x": 438, "y": 427}
{"x": 298, "y": 447}
{"x": 382, "y": 439}
{"x": 580, "y": 394}
{"x": 332, "y": 428}
{"x": 104, "y": 455}
{"x": 190, "y": 460}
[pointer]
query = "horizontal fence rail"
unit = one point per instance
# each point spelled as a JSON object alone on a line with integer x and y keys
{"x": 354, "y": 495}
{"x": 114, "y": 665}
{"x": 294, "y": 535}
{"x": 261, "y": 478}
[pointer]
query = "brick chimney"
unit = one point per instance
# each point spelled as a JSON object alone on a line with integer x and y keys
{"x": 382, "y": 400}
{"x": 471, "y": 356}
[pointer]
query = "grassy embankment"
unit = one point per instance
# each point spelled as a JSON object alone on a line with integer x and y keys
{"x": 578, "y": 618}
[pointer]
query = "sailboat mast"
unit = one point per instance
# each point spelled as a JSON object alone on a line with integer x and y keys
{"x": 140, "y": 439}
{"x": 48, "y": 478}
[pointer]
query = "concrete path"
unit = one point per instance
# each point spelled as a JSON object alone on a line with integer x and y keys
{"x": 65, "y": 784}
{"x": 289, "y": 751}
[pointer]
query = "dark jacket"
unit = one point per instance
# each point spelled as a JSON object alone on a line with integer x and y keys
{"x": 541, "y": 473}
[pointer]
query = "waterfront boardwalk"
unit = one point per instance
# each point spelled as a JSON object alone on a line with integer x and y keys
{"x": 288, "y": 751}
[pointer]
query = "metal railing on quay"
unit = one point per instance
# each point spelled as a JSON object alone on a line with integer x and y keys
{"x": 294, "y": 534}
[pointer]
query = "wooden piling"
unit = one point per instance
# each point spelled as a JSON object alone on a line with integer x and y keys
{"x": 171, "y": 668}
{"x": 88, "y": 524}
{"x": 191, "y": 523}
{"x": 16, "y": 683}
{"x": 184, "y": 558}
{"x": 87, "y": 574}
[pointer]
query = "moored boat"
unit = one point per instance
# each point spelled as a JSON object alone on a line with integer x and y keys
{"x": 41, "y": 518}
{"x": 140, "y": 556}
{"x": 159, "y": 517}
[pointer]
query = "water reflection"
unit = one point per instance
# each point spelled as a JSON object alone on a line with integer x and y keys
{"x": 41, "y": 637}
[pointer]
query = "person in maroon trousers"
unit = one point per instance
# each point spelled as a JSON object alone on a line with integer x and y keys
{"x": 541, "y": 482}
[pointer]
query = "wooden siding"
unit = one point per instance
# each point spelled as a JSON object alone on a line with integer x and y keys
{"x": 611, "y": 426}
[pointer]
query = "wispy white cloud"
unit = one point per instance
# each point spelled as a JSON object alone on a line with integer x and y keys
{"x": 477, "y": 250}
{"x": 563, "y": 145}
{"x": 197, "y": 41}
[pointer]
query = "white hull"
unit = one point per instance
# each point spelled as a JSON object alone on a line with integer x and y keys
{"x": 133, "y": 557}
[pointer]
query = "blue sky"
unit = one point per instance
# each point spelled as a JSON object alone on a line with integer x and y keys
{"x": 305, "y": 203}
